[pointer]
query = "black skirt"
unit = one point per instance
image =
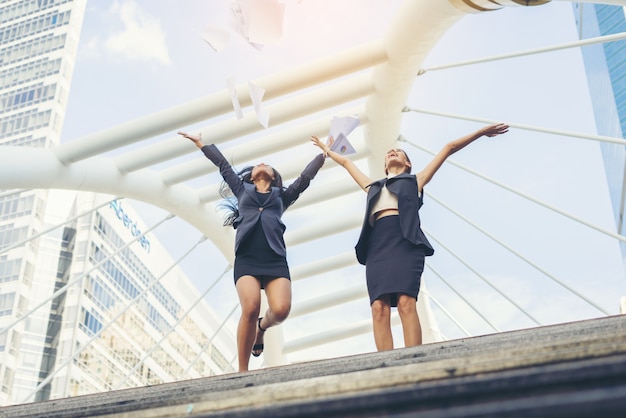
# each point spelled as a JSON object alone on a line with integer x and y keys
{"x": 256, "y": 258}
{"x": 394, "y": 265}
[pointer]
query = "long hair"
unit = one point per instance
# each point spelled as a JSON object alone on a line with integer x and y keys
{"x": 229, "y": 201}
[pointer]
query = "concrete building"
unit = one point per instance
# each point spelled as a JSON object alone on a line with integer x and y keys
{"x": 68, "y": 345}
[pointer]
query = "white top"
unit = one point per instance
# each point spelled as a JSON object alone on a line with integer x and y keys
{"x": 386, "y": 200}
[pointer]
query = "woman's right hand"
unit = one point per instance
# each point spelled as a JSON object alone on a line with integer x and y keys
{"x": 324, "y": 147}
{"x": 196, "y": 139}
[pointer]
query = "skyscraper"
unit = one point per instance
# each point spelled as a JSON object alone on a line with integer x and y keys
{"x": 605, "y": 66}
{"x": 70, "y": 344}
{"x": 38, "y": 45}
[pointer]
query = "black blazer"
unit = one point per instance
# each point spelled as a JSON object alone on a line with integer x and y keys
{"x": 404, "y": 186}
{"x": 251, "y": 209}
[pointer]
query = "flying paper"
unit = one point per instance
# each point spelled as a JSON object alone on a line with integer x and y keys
{"x": 233, "y": 97}
{"x": 260, "y": 22}
{"x": 342, "y": 145}
{"x": 340, "y": 128}
{"x": 256, "y": 95}
{"x": 216, "y": 37}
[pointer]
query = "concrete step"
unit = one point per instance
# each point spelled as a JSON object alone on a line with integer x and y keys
{"x": 576, "y": 369}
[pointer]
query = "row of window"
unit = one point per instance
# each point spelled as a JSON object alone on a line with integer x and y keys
{"x": 31, "y": 27}
{"x": 25, "y": 8}
{"x": 10, "y": 235}
{"x": 15, "y": 206}
{"x": 24, "y": 141}
{"x": 10, "y": 270}
{"x": 6, "y": 303}
{"x": 34, "y": 70}
{"x": 90, "y": 322}
{"x": 133, "y": 262}
{"x": 33, "y": 48}
{"x": 27, "y": 96}
{"x": 128, "y": 287}
{"x": 128, "y": 257}
{"x": 24, "y": 121}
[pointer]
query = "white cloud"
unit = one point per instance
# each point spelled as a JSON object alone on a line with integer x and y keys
{"x": 142, "y": 38}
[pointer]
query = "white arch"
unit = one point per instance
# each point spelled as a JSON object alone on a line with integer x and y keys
{"x": 378, "y": 76}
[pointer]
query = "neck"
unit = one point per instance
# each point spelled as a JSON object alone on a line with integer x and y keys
{"x": 394, "y": 170}
{"x": 262, "y": 185}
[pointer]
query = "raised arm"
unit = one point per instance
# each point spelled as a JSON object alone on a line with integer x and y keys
{"x": 361, "y": 179}
{"x": 212, "y": 153}
{"x": 424, "y": 176}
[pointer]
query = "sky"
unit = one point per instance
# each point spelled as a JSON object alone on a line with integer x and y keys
{"x": 142, "y": 56}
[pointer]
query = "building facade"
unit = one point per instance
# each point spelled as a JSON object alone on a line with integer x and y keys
{"x": 120, "y": 324}
{"x": 605, "y": 65}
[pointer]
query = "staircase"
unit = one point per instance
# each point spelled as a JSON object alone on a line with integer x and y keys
{"x": 576, "y": 369}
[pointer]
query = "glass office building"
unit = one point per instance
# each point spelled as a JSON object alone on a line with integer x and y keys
{"x": 115, "y": 311}
{"x": 38, "y": 44}
{"x": 121, "y": 321}
{"x": 605, "y": 65}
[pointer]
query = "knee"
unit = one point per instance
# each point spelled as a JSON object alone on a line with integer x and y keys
{"x": 250, "y": 311}
{"x": 407, "y": 305}
{"x": 380, "y": 310}
{"x": 281, "y": 312}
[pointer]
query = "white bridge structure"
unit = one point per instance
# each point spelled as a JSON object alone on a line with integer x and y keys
{"x": 372, "y": 81}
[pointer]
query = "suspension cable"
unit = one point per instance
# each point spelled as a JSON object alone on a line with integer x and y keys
{"x": 575, "y": 44}
{"x": 24, "y": 241}
{"x": 473, "y": 270}
{"x": 80, "y": 277}
{"x": 449, "y": 315}
{"x": 599, "y": 138}
{"x": 172, "y": 328}
{"x": 522, "y": 194}
{"x": 97, "y": 334}
{"x": 208, "y": 343}
{"x": 523, "y": 258}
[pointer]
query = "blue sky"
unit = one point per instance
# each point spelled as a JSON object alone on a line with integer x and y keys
{"x": 139, "y": 57}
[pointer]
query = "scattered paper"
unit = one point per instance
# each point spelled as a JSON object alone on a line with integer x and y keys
{"x": 216, "y": 37}
{"x": 265, "y": 21}
{"x": 343, "y": 125}
{"x": 340, "y": 128}
{"x": 342, "y": 145}
{"x": 234, "y": 98}
{"x": 256, "y": 95}
{"x": 260, "y": 22}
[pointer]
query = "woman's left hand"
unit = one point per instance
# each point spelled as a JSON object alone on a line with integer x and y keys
{"x": 324, "y": 147}
{"x": 495, "y": 129}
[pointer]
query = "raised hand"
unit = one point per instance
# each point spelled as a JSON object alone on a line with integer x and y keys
{"x": 495, "y": 129}
{"x": 196, "y": 139}
{"x": 324, "y": 147}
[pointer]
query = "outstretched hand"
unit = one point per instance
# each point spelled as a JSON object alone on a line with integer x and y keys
{"x": 495, "y": 129}
{"x": 196, "y": 139}
{"x": 324, "y": 147}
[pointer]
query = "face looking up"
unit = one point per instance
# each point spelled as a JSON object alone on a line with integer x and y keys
{"x": 396, "y": 157}
{"x": 262, "y": 170}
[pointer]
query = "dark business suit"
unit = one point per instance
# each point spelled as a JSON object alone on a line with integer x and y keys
{"x": 404, "y": 186}
{"x": 393, "y": 250}
{"x": 251, "y": 210}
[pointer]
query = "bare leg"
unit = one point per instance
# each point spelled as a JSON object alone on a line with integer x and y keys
{"x": 381, "y": 321}
{"x": 249, "y": 292}
{"x": 278, "y": 292}
{"x": 407, "y": 309}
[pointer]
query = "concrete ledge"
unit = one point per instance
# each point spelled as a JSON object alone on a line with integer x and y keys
{"x": 576, "y": 367}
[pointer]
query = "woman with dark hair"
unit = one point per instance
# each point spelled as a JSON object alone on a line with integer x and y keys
{"x": 256, "y": 205}
{"x": 392, "y": 245}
